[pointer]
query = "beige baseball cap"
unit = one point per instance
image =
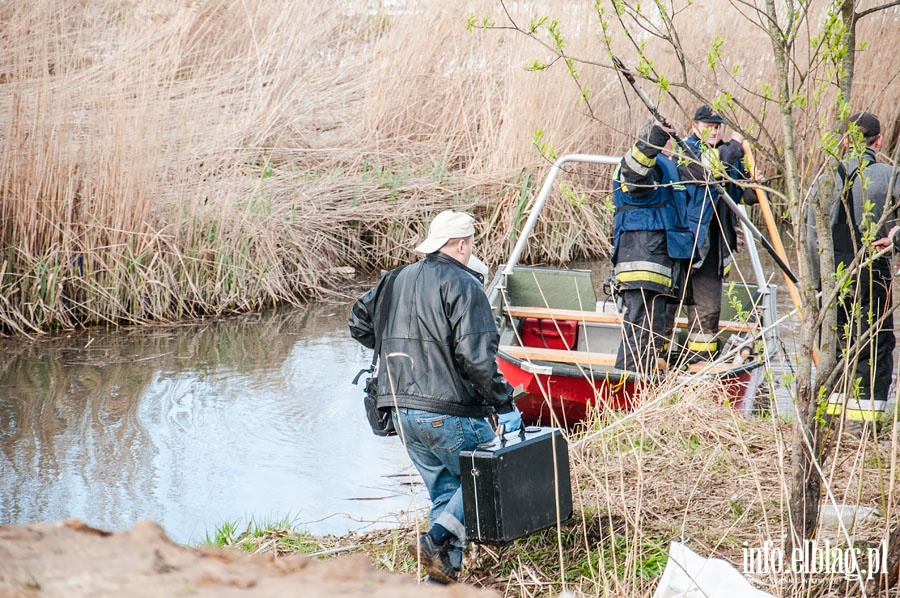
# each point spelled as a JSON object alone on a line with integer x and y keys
{"x": 445, "y": 226}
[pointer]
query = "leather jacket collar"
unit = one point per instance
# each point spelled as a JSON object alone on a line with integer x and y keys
{"x": 443, "y": 257}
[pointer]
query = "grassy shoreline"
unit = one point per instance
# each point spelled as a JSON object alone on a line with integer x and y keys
{"x": 690, "y": 470}
{"x": 267, "y": 260}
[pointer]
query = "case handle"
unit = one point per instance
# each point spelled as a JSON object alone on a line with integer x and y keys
{"x": 501, "y": 433}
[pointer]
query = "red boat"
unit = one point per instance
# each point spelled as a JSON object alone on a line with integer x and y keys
{"x": 558, "y": 343}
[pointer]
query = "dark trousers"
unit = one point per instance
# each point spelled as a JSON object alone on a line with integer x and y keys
{"x": 872, "y": 300}
{"x": 703, "y": 313}
{"x": 703, "y": 303}
{"x": 643, "y": 330}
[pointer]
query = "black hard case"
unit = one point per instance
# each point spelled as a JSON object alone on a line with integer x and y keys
{"x": 511, "y": 487}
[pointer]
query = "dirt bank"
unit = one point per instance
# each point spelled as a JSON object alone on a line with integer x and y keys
{"x": 74, "y": 560}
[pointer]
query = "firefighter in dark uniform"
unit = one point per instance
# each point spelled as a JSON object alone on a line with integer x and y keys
{"x": 713, "y": 224}
{"x": 652, "y": 244}
{"x": 869, "y": 189}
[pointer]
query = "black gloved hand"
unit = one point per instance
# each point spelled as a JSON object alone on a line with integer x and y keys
{"x": 658, "y": 136}
{"x": 749, "y": 197}
{"x": 668, "y": 128}
{"x": 655, "y": 134}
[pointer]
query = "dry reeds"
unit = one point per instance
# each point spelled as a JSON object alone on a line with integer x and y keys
{"x": 688, "y": 469}
{"x": 164, "y": 160}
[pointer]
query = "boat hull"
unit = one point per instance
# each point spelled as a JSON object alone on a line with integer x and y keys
{"x": 566, "y": 397}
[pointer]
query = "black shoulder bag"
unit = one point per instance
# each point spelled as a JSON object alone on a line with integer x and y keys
{"x": 379, "y": 419}
{"x": 844, "y": 231}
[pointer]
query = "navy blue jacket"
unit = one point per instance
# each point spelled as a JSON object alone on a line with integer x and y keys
{"x": 652, "y": 241}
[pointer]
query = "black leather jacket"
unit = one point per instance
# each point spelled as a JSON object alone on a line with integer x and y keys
{"x": 439, "y": 345}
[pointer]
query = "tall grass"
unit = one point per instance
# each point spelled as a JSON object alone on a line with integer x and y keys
{"x": 165, "y": 159}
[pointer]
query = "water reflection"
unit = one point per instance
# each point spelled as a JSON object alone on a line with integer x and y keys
{"x": 195, "y": 425}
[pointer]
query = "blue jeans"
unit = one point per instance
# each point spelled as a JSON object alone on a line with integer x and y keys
{"x": 434, "y": 442}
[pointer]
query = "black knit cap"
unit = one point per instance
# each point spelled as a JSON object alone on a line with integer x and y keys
{"x": 706, "y": 114}
{"x": 867, "y": 123}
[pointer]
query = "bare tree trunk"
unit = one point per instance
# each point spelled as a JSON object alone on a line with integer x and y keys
{"x": 805, "y": 483}
{"x": 888, "y": 578}
{"x": 893, "y": 558}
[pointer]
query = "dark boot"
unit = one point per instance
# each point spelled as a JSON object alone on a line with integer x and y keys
{"x": 435, "y": 559}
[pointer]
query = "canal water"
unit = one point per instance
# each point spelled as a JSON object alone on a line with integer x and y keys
{"x": 251, "y": 418}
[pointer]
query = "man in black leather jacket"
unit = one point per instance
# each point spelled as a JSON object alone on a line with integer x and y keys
{"x": 439, "y": 375}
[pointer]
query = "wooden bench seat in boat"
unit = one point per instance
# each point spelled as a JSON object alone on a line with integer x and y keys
{"x": 604, "y": 318}
{"x": 599, "y": 359}
{"x": 563, "y": 356}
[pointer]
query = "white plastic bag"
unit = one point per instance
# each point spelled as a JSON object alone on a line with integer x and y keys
{"x": 689, "y": 575}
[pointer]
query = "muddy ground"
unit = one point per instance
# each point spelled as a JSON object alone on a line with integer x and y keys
{"x": 74, "y": 560}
